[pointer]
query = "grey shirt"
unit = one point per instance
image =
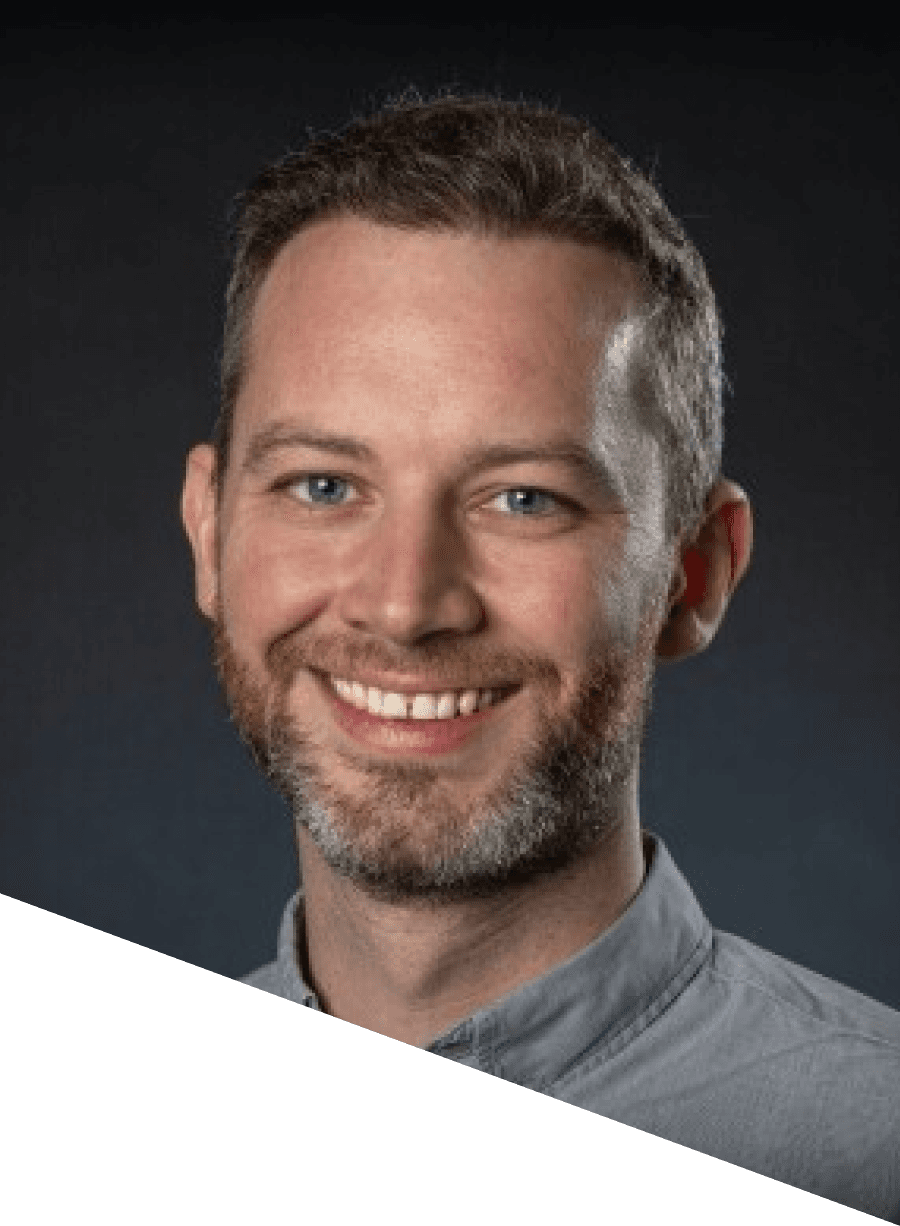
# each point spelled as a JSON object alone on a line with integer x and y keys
{"x": 697, "y": 1036}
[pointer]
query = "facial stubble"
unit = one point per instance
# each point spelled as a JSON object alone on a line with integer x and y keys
{"x": 403, "y": 832}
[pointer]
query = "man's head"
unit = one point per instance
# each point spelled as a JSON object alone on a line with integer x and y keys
{"x": 485, "y": 166}
{"x": 470, "y": 419}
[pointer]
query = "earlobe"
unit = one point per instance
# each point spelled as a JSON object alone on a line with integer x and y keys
{"x": 198, "y": 514}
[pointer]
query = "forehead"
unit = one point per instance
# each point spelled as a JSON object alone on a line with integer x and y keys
{"x": 361, "y": 317}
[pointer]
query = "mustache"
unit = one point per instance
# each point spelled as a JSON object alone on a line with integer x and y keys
{"x": 448, "y": 662}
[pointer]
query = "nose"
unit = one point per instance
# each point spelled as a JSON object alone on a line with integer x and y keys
{"x": 411, "y": 579}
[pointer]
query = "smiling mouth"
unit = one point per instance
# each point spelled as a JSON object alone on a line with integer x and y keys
{"x": 443, "y": 705}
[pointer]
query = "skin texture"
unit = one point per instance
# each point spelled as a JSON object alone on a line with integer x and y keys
{"x": 431, "y": 351}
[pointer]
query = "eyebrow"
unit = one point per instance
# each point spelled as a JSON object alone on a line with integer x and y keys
{"x": 278, "y": 437}
{"x": 590, "y": 466}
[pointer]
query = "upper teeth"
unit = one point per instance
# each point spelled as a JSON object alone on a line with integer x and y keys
{"x": 413, "y": 706}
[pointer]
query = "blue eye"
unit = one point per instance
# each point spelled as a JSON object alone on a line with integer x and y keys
{"x": 528, "y": 501}
{"x": 321, "y": 489}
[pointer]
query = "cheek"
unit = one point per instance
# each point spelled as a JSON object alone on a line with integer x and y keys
{"x": 555, "y": 603}
{"x": 269, "y": 587}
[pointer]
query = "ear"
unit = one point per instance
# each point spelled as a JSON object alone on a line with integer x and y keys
{"x": 710, "y": 566}
{"x": 198, "y": 514}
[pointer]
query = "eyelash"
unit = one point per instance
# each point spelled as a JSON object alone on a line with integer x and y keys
{"x": 286, "y": 484}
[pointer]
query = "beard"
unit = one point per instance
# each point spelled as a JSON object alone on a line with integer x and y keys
{"x": 404, "y": 832}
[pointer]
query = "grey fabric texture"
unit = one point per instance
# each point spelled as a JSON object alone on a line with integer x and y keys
{"x": 696, "y": 1036}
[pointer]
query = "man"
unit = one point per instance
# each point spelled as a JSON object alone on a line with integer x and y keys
{"x": 464, "y": 490}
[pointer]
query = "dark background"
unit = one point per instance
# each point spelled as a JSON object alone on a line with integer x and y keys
{"x": 126, "y": 800}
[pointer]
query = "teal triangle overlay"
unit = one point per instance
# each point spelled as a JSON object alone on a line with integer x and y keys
{"x": 136, "y": 1089}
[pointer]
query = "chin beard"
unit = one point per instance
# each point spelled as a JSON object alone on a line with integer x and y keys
{"x": 402, "y": 833}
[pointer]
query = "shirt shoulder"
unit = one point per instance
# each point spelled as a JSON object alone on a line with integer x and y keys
{"x": 796, "y": 994}
{"x": 267, "y": 978}
{"x": 281, "y": 978}
{"x": 770, "y": 1066}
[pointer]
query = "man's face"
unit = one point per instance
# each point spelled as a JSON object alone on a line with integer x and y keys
{"x": 437, "y": 508}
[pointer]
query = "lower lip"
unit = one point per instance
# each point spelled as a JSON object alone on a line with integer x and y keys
{"x": 405, "y": 736}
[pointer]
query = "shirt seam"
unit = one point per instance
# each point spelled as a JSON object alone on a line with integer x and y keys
{"x": 593, "y": 1056}
{"x": 590, "y": 1059}
{"x": 835, "y": 1029}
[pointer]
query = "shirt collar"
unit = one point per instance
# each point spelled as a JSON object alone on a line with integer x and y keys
{"x": 586, "y": 1007}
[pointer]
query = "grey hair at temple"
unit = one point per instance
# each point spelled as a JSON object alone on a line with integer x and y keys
{"x": 483, "y": 165}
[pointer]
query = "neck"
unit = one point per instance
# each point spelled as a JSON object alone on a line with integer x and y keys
{"x": 411, "y": 970}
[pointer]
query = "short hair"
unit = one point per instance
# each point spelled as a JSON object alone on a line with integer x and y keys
{"x": 477, "y": 163}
